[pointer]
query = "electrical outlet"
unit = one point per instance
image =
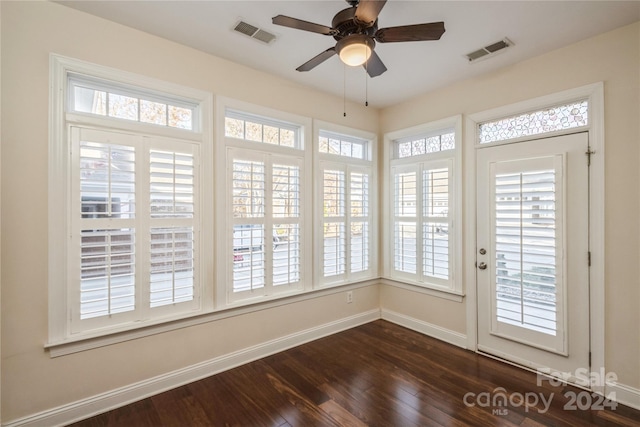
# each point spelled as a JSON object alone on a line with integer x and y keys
{"x": 349, "y": 297}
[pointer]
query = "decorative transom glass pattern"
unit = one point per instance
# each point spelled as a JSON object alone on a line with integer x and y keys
{"x": 109, "y": 100}
{"x": 552, "y": 119}
{"x": 341, "y": 145}
{"x": 419, "y": 145}
{"x": 260, "y": 129}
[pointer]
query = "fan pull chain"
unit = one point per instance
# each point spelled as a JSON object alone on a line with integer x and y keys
{"x": 366, "y": 84}
{"x": 344, "y": 91}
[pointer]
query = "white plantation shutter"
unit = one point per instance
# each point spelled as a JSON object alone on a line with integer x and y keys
{"x": 248, "y": 193}
{"x": 334, "y": 242}
{"x": 107, "y": 180}
{"x": 422, "y": 221}
{"x": 345, "y": 159}
{"x": 346, "y": 217}
{"x": 248, "y": 188}
{"x": 174, "y": 231}
{"x": 135, "y": 227}
{"x": 425, "y": 183}
{"x": 435, "y": 225}
{"x": 405, "y": 199}
{"x": 359, "y": 221}
{"x": 172, "y": 265}
{"x": 286, "y": 231}
{"x": 526, "y": 240}
{"x": 334, "y": 248}
{"x": 172, "y": 184}
{"x": 104, "y": 225}
{"x": 265, "y": 210}
{"x": 172, "y": 246}
{"x": 107, "y": 272}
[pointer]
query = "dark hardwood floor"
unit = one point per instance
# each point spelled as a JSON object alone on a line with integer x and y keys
{"x": 378, "y": 374}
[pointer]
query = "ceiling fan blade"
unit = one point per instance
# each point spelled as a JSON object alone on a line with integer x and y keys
{"x": 317, "y": 60}
{"x": 410, "y": 33}
{"x": 367, "y": 11}
{"x": 299, "y": 24}
{"x": 374, "y": 65}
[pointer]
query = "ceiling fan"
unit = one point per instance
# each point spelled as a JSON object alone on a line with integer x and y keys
{"x": 356, "y": 32}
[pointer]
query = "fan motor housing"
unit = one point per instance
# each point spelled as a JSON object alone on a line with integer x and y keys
{"x": 344, "y": 22}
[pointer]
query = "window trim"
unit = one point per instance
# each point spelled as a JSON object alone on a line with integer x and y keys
{"x": 390, "y": 160}
{"x": 350, "y": 164}
{"x": 222, "y": 225}
{"x": 59, "y": 330}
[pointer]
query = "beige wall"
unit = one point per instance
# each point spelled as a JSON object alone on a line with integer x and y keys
{"x": 31, "y": 380}
{"x": 614, "y": 59}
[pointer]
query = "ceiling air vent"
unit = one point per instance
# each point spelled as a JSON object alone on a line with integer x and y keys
{"x": 489, "y": 50}
{"x": 254, "y": 32}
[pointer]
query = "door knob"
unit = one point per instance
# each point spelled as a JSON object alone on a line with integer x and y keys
{"x": 482, "y": 266}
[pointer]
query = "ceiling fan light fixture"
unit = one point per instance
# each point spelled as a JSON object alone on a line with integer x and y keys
{"x": 355, "y": 50}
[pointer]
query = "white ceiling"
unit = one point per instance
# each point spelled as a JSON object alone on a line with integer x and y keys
{"x": 414, "y": 68}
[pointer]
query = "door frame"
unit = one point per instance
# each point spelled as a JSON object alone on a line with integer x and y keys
{"x": 595, "y": 95}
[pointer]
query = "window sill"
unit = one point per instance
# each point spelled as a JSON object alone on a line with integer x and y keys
{"x": 448, "y": 294}
{"x": 83, "y": 343}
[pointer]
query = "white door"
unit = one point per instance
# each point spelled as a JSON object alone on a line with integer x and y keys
{"x": 533, "y": 253}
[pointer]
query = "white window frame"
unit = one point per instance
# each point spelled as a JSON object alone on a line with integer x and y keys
{"x": 140, "y": 93}
{"x": 453, "y": 287}
{"x": 61, "y": 330}
{"x": 346, "y": 164}
{"x": 301, "y": 155}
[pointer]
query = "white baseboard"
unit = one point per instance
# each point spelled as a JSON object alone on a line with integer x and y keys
{"x": 623, "y": 394}
{"x": 426, "y": 328}
{"x": 98, "y": 404}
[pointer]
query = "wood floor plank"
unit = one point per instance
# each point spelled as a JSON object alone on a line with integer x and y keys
{"x": 296, "y": 378}
{"x": 341, "y": 415}
{"x": 179, "y": 407}
{"x": 378, "y": 374}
